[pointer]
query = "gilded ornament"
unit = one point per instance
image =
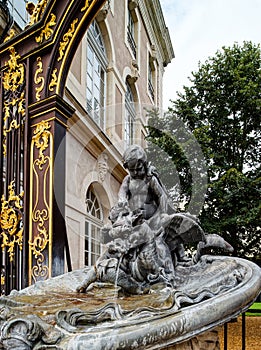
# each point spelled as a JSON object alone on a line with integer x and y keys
{"x": 41, "y": 166}
{"x": 39, "y": 244}
{"x": 66, "y": 38}
{"x": 38, "y": 79}
{"x": 47, "y": 32}
{"x": 9, "y": 109}
{"x": 36, "y": 11}
{"x": 14, "y": 104}
{"x": 41, "y": 141}
{"x": 14, "y": 76}
{"x": 54, "y": 80}
{"x": 12, "y": 33}
{"x": 2, "y": 280}
{"x": 11, "y": 221}
{"x": 87, "y": 5}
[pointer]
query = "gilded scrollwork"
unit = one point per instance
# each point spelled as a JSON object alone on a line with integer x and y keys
{"x": 54, "y": 80}
{"x": 41, "y": 141}
{"x": 87, "y": 5}
{"x": 12, "y": 33}
{"x": 66, "y": 39}
{"x": 14, "y": 96}
{"x": 14, "y": 110}
{"x": 41, "y": 167}
{"x": 38, "y": 79}
{"x": 14, "y": 76}
{"x": 36, "y": 11}
{"x": 11, "y": 221}
{"x": 39, "y": 244}
{"x": 47, "y": 32}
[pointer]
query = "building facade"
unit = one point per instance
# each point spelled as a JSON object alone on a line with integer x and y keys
{"x": 116, "y": 74}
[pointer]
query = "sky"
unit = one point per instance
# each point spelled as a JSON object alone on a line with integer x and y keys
{"x": 199, "y": 28}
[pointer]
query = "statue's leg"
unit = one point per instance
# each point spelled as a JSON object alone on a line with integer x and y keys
{"x": 91, "y": 277}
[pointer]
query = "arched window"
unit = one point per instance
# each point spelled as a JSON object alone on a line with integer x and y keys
{"x": 93, "y": 224}
{"x": 129, "y": 116}
{"x": 96, "y": 74}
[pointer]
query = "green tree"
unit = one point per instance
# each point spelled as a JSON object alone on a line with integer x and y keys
{"x": 222, "y": 107}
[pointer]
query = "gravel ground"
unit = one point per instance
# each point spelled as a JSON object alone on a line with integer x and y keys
{"x": 253, "y": 334}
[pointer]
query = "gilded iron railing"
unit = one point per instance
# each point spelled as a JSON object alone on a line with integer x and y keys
{"x": 12, "y": 144}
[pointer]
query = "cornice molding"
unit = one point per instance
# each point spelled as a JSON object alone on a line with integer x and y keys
{"x": 152, "y": 15}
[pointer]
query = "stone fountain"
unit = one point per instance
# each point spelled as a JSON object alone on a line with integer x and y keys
{"x": 143, "y": 292}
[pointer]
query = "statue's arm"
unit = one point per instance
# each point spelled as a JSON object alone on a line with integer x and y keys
{"x": 123, "y": 193}
{"x": 160, "y": 195}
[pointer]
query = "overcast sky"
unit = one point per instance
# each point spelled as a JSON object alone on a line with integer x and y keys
{"x": 198, "y": 28}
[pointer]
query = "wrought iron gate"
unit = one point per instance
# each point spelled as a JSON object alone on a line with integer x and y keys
{"x": 33, "y": 69}
{"x": 13, "y": 138}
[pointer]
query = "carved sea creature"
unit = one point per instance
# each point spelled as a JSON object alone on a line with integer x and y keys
{"x": 213, "y": 241}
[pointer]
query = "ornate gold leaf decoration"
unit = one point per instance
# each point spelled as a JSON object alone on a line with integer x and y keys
{"x": 47, "y": 32}
{"x": 12, "y": 33}
{"x": 87, "y": 5}
{"x": 11, "y": 221}
{"x": 14, "y": 76}
{"x": 66, "y": 39}
{"x": 3, "y": 275}
{"x": 14, "y": 104}
{"x": 36, "y": 11}
{"x": 38, "y": 79}
{"x": 10, "y": 118}
{"x": 41, "y": 141}
{"x": 39, "y": 244}
{"x": 40, "y": 201}
{"x": 53, "y": 82}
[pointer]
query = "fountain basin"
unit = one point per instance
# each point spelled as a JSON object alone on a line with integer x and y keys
{"x": 50, "y": 314}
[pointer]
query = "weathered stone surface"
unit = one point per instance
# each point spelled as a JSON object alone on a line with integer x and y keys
{"x": 206, "y": 341}
{"x": 52, "y": 315}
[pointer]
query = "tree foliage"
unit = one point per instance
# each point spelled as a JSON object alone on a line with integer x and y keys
{"x": 222, "y": 108}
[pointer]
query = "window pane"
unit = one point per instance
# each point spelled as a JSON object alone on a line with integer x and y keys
{"x": 93, "y": 229}
{"x": 96, "y": 74}
{"x": 129, "y": 115}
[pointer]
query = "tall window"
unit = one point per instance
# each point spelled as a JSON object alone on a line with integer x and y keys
{"x": 93, "y": 224}
{"x": 96, "y": 77}
{"x": 151, "y": 73}
{"x": 129, "y": 116}
{"x": 131, "y": 34}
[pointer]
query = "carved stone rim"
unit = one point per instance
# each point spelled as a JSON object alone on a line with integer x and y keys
{"x": 170, "y": 329}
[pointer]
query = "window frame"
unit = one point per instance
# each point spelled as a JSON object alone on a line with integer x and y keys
{"x": 130, "y": 114}
{"x": 96, "y": 80}
{"x": 131, "y": 34}
{"x": 151, "y": 78}
{"x": 93, "y": 225}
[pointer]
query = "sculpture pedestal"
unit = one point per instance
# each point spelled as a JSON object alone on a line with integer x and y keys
{"x": 51, "y": 314}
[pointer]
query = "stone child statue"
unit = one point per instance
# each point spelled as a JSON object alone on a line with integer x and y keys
{"x": 146, "y": 234}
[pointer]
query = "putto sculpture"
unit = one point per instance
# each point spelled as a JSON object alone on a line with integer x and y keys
{"x": 146, "y": 234}
{"x": 143, "y": 292}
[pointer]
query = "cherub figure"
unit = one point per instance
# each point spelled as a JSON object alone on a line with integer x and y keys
{"x": 146, "y": 235}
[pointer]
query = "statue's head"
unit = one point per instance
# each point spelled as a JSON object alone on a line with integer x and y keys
{"x": 134, "y": 153}
{"x": 135, "y": 160}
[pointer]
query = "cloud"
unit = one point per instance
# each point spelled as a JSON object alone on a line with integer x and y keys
{"x": 198, "y": 28}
